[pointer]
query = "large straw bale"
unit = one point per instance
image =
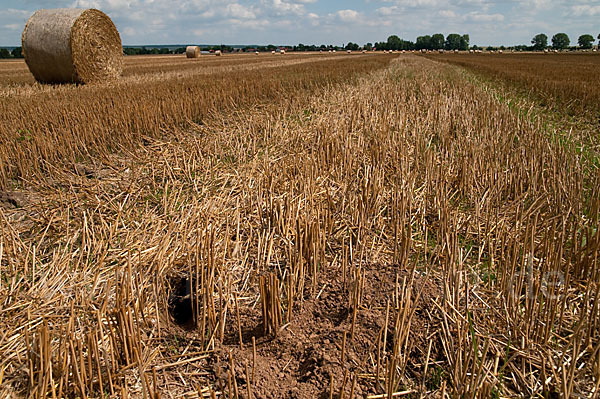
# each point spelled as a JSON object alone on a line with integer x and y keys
{"x": 72, "y": 45}
{"x": 192, "y": 51}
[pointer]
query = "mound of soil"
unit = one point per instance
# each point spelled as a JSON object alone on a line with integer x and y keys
{"x": 300, "y": 361}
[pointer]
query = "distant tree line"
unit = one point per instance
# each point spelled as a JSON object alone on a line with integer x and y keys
{"x": 561, "y": 41}
{"x": 17, "y": 52}
{"x": 437, "y": 41}
{"x": 167, "y": 50}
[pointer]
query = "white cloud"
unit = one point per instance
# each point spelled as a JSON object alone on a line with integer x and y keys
{"x": 447, "y": 14}
{"x": 489, "y": 22}
{"x": 585, "y": 10}
{"x": 418, "y": 3}
{"x": 236, "y": 10}
{"x": 478, "y": 17}
{"x": 313, "y": 19}
{"x": 386, "y": 11}
{"x": 249, "y": 23}
{"x": 285, "y": 7}
{"x": 348, "y": 15}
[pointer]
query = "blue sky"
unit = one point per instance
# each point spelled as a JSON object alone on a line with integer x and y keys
{"x": 489, "y": 22}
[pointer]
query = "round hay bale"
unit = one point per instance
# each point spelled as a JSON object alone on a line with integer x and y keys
{"x": 70, "y": 45}
{"x": 218, "y": 53}
{"x": 192, "y": 51}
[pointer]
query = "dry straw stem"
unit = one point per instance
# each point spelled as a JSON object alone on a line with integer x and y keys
{"x": 544, "y": 76}
{"x": 271, "y": 304}
{"x": 414, "y": 169}
{"x": 69, "y": 45}
{"x": 37, "y": 123}
{"x": 192, "y": 51}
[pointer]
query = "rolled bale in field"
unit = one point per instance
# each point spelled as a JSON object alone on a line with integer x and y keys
{"x": 218, "y": 53}
{"x": 192, "y": 51}
{"x": 72, "y": 45}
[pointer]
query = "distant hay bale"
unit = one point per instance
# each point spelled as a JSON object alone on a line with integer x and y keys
{"x": 69, "y": 45}
{"x": 192, "y": 51}
{"x": 218, "y": 53}
{"x": 256, "y": 52}
{"x": 273, "y": 52}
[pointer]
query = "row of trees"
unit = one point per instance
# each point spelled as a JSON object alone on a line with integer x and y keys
{"x": 561, "y": 41}
{"x": 167, "y": 50}
{"x": 15, "y": 53}
{"x": 437, "y": 41}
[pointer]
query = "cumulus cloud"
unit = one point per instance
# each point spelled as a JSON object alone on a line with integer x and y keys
{"x": 585, "y": 10}
{"x": 447, "y": 14}
{"x": 348, "y": 15}
{"x": 282, "y": 7}
{"x": 488, "y": 22}
{"x": 236, "y": 10}
{"x": 387, "y": 11}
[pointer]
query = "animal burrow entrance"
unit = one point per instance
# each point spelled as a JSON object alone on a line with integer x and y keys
{"x": 180, "y": 294}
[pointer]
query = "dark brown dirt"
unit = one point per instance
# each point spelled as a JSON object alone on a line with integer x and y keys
{"x": 12, "y": 199}
{"x": 300, "y": 360}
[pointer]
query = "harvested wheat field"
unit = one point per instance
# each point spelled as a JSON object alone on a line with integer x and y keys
{"x": 308, "y": 226}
